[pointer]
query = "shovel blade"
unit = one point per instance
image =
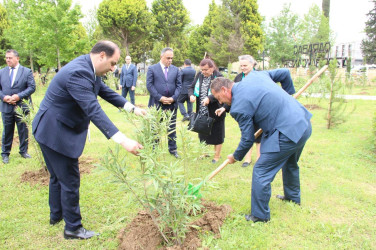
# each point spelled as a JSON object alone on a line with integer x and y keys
{"x": 194, "y": 190}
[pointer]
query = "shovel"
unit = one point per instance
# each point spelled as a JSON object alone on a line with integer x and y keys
{"x": 195, "y": 190}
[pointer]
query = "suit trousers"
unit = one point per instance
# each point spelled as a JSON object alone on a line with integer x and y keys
{"x": 268, "y": 165}
{"x": 184, "y": 98}
{"x": 63, "y": 188}
{"x": 9, "y": 120}
{"x": 124, "y": 92}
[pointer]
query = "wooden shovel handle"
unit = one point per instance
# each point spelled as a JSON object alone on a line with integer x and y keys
{"x": 218, "y": 169}
{"x": 297, "y": 94}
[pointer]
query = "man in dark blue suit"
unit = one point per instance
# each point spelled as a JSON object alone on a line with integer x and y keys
{"x": 16, "y": 85}
{"x": 257, "y": 101}
{"x": 128, "y": 79}
{"x": 164, "y": 83}
{"x": 187, "y": 76}
{"x": 61, "y": 125}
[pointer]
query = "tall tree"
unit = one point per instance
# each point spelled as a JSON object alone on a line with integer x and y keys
{"x": 368, "y": 45}
{"x": 315, "y": 27}
{"x": 60, "y": 23}
{"x": 281, "y": 34}
{"x": 125, "y": 21}
{"x": 226, "y": 42}
{"x": 171, "y": 17}
{"x": 246, "y": 12}
{"x": 199, "y": 36}
{"x": 4, "y": 24}
{"x": 23, "y": 33}
{"x": 326, "y": 8}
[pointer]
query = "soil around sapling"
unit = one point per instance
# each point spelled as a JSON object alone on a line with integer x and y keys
{"x": 42, "y": 176}
{"x": 141, "y": 233}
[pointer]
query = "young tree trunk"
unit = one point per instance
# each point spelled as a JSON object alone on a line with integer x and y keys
{"x": 31, "y": 62}
{"x": 58, "y": 58}
{"x": 329, "y": 116}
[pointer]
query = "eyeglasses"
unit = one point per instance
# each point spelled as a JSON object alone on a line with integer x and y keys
{"x": 169, "y": 58}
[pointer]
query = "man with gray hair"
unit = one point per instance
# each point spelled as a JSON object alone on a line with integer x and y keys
{"x": 257, "y": 102}
{"x": 164, "y": 83}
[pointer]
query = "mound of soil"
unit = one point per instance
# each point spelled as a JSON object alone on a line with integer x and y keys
{"x": 141, "y": 233}
{"x": 312, "y": 106}
{"x": 42, "y": 177}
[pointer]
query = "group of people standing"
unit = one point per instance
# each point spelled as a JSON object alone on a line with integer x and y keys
{"x": 255, "y": 101}
{"x": 70, "y": 104}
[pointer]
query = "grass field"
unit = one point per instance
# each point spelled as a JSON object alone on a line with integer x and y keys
{"x": 338, "y": 184}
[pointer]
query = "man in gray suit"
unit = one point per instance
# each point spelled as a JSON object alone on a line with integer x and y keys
{"x": 257, "y": 101}
{"x": 187, "y": 75}
{"x": 16, "y": 85}
{"x": 128, "y": 79}
{"x": 164, "y": 83}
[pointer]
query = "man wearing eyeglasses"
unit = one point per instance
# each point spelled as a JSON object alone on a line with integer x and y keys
{"x": 164, "y": 83}
{"x": 16, "y": 85}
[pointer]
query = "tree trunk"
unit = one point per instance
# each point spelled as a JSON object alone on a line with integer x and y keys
{"x": 58, "y": 58}
{"x": 31, "y": 62}
{"x": 329, "y": 116}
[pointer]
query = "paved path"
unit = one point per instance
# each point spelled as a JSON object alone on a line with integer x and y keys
{"x": 347, "y": 97}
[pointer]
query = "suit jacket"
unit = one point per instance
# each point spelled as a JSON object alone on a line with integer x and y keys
{"x": 158, "y": 86}
{"x": 187, "y": 76}
{"x": 23, "y": 86}
{"x": 279, "y": 75}
{"x": 128, "y": 78}
{"x": 68, "y": 106}
{"x": 258, "y": 101}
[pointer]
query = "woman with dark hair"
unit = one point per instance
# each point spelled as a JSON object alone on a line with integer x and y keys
{"x": 206, "y": 104}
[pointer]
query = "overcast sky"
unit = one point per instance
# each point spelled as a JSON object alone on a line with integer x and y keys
{"x": 347, "y": 17}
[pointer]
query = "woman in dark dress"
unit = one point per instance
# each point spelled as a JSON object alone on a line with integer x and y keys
{"x": 200, "y": 93}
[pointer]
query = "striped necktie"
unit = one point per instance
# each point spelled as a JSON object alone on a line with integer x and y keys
{"x": 11, "y": 76}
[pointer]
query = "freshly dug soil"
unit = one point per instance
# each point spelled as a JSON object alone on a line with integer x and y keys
{"x": 42, "y": 177}
{"x": 141, "y": 233}
{"x": 312, "y": 106}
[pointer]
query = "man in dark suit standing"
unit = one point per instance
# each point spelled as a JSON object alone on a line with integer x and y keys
{"x": 128, "y": 79}
{"x": 61, "y": 125}
{"x": 187, "y": 76}
{"x": 164, "y": 83}
{"x": 16, "y": 85}
{"x": 257, "y": 101}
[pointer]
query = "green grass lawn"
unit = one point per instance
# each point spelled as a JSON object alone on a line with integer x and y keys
{"x": 338, "y": 185}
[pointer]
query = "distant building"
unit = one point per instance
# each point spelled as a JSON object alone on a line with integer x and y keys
{"x": 344, "y": 51}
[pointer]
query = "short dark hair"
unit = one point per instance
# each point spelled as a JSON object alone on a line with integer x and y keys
{"x": 187, "y": 62}
{"x": 106, "y": 46}
{"x": 219, "y": 82}
{"x": 209, "y": 62}
{"x": 15, "y": 53}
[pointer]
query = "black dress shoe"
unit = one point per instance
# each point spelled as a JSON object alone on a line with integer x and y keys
{"x": 175, "y": 154}
{"x": 80, "y": 233}
{"x": 5, "y": 159}
{"x": 281, "y": 197}
{"x": 25, "y": 155}
{"x": 186, "y": 118}
{"x": 246, "y": 164}
{"x": 54, "y": 222}
{"x": 255, "y": 219}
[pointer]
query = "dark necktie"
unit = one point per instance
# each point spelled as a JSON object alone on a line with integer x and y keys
{"x": 11, "y": 76}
